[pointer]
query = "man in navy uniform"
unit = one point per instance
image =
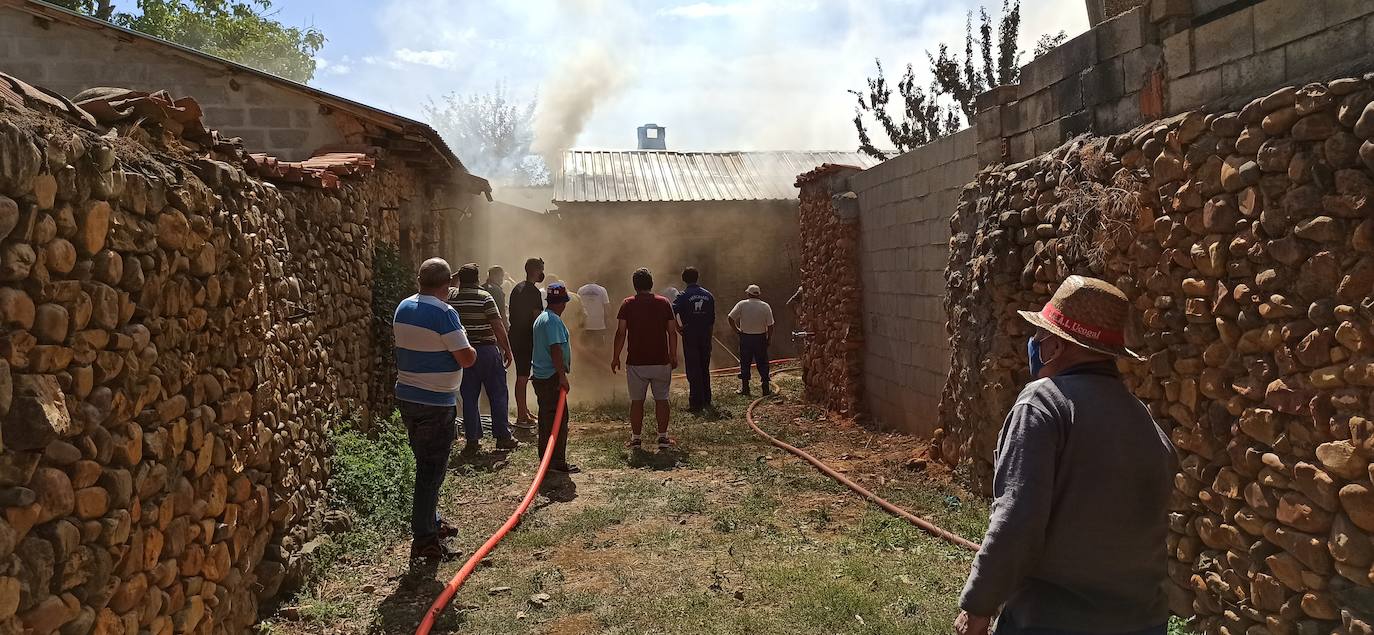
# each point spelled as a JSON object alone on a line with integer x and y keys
{"x": 696, "y": 313}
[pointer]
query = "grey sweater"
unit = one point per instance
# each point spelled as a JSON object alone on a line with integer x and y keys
{"x": 1078, "y": 528}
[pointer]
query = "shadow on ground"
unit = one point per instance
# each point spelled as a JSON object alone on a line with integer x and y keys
{"x": 661, "y": 460}
{"x": 402, "y": 611}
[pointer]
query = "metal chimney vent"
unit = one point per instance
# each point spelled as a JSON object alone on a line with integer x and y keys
{"x": 651, "y": 137}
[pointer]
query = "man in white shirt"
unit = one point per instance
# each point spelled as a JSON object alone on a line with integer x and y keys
{"x": 595, "y": 300}
{"x": 752, "y": 318}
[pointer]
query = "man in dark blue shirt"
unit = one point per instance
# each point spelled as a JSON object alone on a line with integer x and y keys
{"x": 696, "y": 312}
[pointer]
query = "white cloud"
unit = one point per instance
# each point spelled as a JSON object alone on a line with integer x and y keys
{"x": 707, "y": 10}
{"x": 436, "y": 58}
{"x": 324, "y": 67}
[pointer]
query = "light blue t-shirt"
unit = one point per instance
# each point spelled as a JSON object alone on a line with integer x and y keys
{"x": 427, "y": 331}
{"x": 549, "y": 330}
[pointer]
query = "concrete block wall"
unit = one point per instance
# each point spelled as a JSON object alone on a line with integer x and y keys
{"x": 1165, "y": 57}
{"x": 1245, "y": 48}
{"x": 70, "y": 59}
{"x": 905, "y": 205}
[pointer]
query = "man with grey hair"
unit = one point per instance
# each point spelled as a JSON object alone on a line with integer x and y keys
{"x": 431, "y": 350}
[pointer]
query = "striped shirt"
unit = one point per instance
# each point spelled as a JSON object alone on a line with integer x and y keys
{"x": 427, "y": 331}
{"x": 476, "y": 308}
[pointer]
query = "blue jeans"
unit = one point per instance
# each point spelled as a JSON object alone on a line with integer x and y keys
{"x": 431, "y": 431}
{"x": 696, "y": 356}
{"x": 753, "y": 349}
{"x": 490, "y": 374}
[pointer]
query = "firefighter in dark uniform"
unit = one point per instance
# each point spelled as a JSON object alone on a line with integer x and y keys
{"x": 695, "y": 309}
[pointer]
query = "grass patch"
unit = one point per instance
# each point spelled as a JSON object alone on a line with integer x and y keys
{"x": 373, "y": 477}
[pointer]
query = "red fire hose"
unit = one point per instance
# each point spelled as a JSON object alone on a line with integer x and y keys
{"x": 735, "y": 369}
{"x": 923, "y": 524}
{"x": 449, "y": 591}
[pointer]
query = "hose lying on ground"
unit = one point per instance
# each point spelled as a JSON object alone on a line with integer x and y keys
{"x": 452, "y": 588}
{"x": 923, "y": 524}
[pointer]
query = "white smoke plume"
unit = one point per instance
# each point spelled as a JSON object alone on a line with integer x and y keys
{"x": 586, "y": 79}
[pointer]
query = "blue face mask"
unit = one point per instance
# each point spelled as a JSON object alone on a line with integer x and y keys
{"x": 1033, "y": 354}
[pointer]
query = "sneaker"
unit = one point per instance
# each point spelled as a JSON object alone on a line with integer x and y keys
{"x": 743, "y": 389}
{"x": 566, "y": 469}
{"x": 664, "y": 443}
{"x": 471, "y": 448}
{"x": 508, "y": 443}
{"x": 446, "y": 530}
{"x": 431, "y": 549}
{"x": 767, "y": 390}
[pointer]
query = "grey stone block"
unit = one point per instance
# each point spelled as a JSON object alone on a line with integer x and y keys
{"x": 1327, "y": 50}
{"x": 1066, "y": 60}
{"x": 1103, "y": 83}
{"x": 33, "y": 72}
{"x": 1178, "y": 54}
{"x": 1194, "y": 90}
{"x": 270, "y": 117}
{"x": 1020, "y": 147}
{"x": 1278, "y": 22}
{"x": 989, "y": 152}
{"x": 989, "y": 122}
{"x": 1201, "y": 7}
{"x": 1224, "y": 39}
{"x": 40, "y": 46}
{"x": 216, "y": 117}
{"x": 1138, "y": 65}
{"x": 1034, "y": 110}
{"x": 292, "y": 139}
{"x": 1338, "y": 11}
{"x": 1122, "y": 114}
{"x": 1122, "y": 33}
{"x": 1255, "y": 74}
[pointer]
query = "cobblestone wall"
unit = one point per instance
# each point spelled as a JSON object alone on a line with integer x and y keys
{"x": 831, "y": 314}
{"x": 1245, "y": 240}
{"x": 175, "y": 336}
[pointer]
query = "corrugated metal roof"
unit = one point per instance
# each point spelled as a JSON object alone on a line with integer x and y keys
{"x": 591, "y": 176}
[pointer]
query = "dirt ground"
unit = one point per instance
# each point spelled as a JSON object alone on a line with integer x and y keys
{"x": 723, "y": 534}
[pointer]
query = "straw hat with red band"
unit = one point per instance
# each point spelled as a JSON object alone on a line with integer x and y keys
{"x": 1088, "y": 312}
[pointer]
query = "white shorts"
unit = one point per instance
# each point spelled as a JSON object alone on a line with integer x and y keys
{"x": 641, "y": 378}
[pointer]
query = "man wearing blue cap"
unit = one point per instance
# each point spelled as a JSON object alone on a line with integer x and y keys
{"x": 550, "y": 365}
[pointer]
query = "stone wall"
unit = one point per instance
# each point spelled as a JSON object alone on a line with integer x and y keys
{"x": 904, "y": 209}
{"x": 831, "y": 313}
{"x": 177, "y": 336}
{"x": 1245, "y": 240}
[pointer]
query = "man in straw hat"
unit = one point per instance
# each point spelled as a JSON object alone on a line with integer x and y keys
{"x": 1076, "y": 542}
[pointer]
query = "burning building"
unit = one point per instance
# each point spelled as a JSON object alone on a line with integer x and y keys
{"x": 733, "y": 215}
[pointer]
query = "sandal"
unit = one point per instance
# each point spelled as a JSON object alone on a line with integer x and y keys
{"x": 634, "y": 444}
{"x": 664, "y": 443}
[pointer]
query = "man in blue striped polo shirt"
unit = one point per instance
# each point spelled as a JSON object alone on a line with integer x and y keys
{"x": 431, "y": 351}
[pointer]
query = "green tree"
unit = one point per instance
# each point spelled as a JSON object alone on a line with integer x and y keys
{"x": 243, "y": 31}
{"x": 989, "y": 59}
{"x": 492, "y": 131}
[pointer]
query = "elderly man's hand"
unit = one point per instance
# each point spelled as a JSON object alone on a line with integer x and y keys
{"x": 967, "y": 624}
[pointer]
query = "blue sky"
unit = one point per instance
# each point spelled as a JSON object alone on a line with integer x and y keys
{"x": 719, "y": 74}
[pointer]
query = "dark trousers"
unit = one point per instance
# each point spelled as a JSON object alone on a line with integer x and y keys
{"x": 546, "y": 392}
{"x": 431, "y": 430}
{"x": 1007, "y": 626}
{"x": 696, "y": 356}
{"x": 753, "y": 349}
{"x": 487, "y": 373}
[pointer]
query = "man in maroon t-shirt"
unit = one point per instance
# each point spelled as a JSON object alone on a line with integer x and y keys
{"x": 648, "y": 321}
